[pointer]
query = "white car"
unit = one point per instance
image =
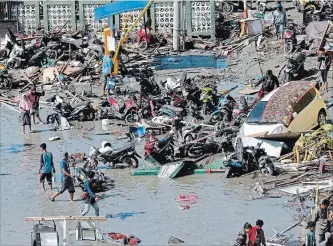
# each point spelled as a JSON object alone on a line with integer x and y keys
{"x": 294, "y": 107}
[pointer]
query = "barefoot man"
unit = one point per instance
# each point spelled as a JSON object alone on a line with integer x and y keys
{"x": 66, "y": 179}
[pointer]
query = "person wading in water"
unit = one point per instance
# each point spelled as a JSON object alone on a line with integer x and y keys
{"x": 46, "y": 167}
{"x": 66, "y": 179}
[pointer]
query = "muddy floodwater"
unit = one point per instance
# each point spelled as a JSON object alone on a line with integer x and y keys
{"x": 143, "y": 206}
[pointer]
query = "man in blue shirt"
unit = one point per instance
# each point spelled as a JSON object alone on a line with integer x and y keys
{"x": 46, "y": 167}
{"x": 66, "y": 179}
{"x": 90, "y": 198}
{"x": 107, "y": 68}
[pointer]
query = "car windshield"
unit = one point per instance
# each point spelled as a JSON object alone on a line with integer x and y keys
{"x": 256, "y": 114}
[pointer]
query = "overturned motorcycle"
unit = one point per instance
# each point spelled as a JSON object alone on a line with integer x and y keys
{"x": 123, "y": 157}
{"x": 82, "y": 111}
{"x": 248, "y": 159}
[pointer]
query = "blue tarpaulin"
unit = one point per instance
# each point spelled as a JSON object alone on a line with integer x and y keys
{"x": 118, "y": 7}
{"x": 179, "y": 62}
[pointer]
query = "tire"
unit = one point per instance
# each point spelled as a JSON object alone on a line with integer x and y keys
{"x": 322, "y": 118}
{"x": 143, "y": 45}
{"x": 8, "y": 83}
{"x": 270, "y": 166}
{"x": 132, "y": 117}
{"x": 124, "y": 57}
{"x": 91, "y": 115}
{"x": 169, "y": 151}
{"x": 82, "y": 116}
{"x": 195, "y": 151}
{"x": 261, "y": 8}
{"x": 228, "y": 172}
{"x": 15, "y": 63}
{"x": 288, "y": 46}
{"x": 227, "y": 8}
{"x": 188, "y": 138}
{"x": 131, "y": 161}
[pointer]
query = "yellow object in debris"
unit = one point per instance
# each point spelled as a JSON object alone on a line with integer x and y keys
{"x": 2, "y": 67}
{"x": 312, "y": 146}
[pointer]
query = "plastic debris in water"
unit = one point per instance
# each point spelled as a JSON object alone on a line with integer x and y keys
{"x": 54, "y": 138}
{"x": 184, "y": 198}
{"x": 184, "y": 207}
{"x": 174, "y": 240}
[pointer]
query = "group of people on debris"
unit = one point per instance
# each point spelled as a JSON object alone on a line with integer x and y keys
{"x": 47, "y": 170}
{"x": 255, "y": 236}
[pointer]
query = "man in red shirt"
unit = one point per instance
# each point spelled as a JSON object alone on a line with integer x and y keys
{"x": 34, "y": 99}
{"x": 256, "y": 235}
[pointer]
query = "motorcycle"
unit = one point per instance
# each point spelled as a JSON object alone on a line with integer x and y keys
{"x": 82, "y": 111}
{"x": 6, "y": 80}
{"x": 294, "y": 67}
{"x": 248, "y": 159}
{"x": 122, "y": 110}
{"x": 224, "y": 108}
{"x": 170, "y": 111}
{"x": 81, "y": 174}
{"x": 290, "y": 40}
{"x": 119, "y": 158}
{"x": 161, "y": 150}
{"x": 208, "y": 99}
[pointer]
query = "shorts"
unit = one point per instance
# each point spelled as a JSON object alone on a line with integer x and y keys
{"x": 279, "y": 28}
{"x": 48, "y": 177}
{"x": 323, "y": 74}
{"x": 104, "y": 78}
{"x": 25, "y": 118}
{"x": 67, "y": 184}
{"x": 35, "y": 112}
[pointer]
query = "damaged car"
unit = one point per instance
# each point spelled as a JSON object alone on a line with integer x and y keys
{"x": 292, "y": 108}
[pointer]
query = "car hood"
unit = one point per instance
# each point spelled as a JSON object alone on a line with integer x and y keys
{"x": 254, "y": 129}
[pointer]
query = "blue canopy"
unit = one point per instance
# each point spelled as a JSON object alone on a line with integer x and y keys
{"x": 118, "y": 7}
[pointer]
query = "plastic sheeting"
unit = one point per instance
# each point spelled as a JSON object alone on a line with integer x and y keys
{"x": 118, "y": 7}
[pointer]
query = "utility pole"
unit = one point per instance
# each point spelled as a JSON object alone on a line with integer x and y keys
{"x": 245, "y": 10}
{"x": 176, "y": 24}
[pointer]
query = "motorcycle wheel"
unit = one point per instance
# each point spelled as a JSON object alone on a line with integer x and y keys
{"x": 91, "y": 115}
{"x": 124, "y": 57}
{"x": 227, "y": 8}
{"x": 83, "y": 116}
{"x": 195, "y": 151}
{"x": 288, "y": 46}
{"x": 188, "y": 138}
{"x": 132, "y": 161}
{"x": 8, "y": 83}
{"x": 13, "y": 64}
{"x": 132, "y": 117}
{"x": 169, "y": 151}
{"x": 228, "y": 172}
{"x": 143, "y": 45}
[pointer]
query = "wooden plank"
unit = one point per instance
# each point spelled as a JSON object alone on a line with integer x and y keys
{"x": 82, "y": 218}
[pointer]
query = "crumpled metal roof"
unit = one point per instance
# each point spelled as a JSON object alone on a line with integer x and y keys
{"x": 280, "y": 106}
